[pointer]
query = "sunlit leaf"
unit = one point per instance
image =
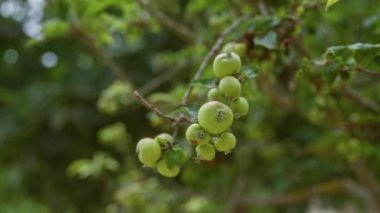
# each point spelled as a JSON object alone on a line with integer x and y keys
{"x": 268, "y": 41}
{"x": 330, "y": 3}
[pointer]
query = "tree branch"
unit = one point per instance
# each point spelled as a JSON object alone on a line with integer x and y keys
{"x": 153, "y": 108}
{"x": 178, "y": 28}
{"x": 90, "y": 42}
{"x": 360, "y": 100}
{"x": 368, "y": 72}
{"x": 328, "y": 188}
{"x": 263, "y": 9}
{"x": 210, "y": 55}
{"x": 367, "y": 178}
{"x": 333, "y": 187}
{"x": 165, "y": 76}
{"x": 176, "y": 121}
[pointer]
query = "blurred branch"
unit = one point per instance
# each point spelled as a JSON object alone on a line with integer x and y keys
{"x": 323, "y": 189}
{"x": 339, "y": 186}
{"x": 263, "y": 9}
{"x": 178, "y": 28}
{"x": 153, "y": 108}
{"x": 90, "y": 42}
{"x": 279, "y": 96}
{"x": 360, "y": 100}
{"x": 236, "y": 194}
{"x": 366, "y": 178}
{"x": 363, "y": 194}
{"x": 165, "y": 76}
{"x": 368, "y": 72}
{"x": 218, "y": 44}
{"x": 176, "y": 121}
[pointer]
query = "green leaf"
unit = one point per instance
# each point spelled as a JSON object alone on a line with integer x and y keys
{"x": 114, "y": 135}
{"x": 330, "y": 3}
{"x": 208, "y": 83}
{"x": 250, "y": 72}
{"x": 55, "y": 28}
{"x": 356, "y": 54}
{"x": 268, "y": 41}
{"x": 174, "y": 157}
{"x": 81, "y": 167}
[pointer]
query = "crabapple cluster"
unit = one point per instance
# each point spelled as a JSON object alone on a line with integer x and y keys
{"x": 212, "y": 132}
{"x": 151, "y": 153}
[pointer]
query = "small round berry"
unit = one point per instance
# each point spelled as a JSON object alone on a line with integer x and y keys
{"x": 226, "y": 64}
{"x": 164, "y": 170}
{"x": 214, "y": 94}
{"x": 230, "y": 87}
{"x": 239, "y": 48}
{"x": 215, "y": 117}
{"x": 205, "y": 152}
{"x": 195, "y": 134}
{"x": 148, "y": 151}
{"x": 163, "y": 139}
{"x": 225, "y": 143}
{"x": 240, "y": 107}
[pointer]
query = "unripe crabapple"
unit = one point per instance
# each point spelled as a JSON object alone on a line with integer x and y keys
{"x": 230, "y": 87}
{"x": 163, "y": 139}
{"x": 195, "y": 134}
{"x": 226, "y": 64}
{"x": 240, "y": 107}
{"x": 164, "y": 170}
{"x": 225, "y": 143}
{"x": 239, "y": 48}
{"x": 214, "y": 94}
{"x": 205, "y": 152}
{"x": 148, "y": 151}
{"x": 215, "y": 117}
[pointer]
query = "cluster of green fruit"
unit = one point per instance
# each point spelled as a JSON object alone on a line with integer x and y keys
{"x": 215, "y": 117}
{"x": 151, "y": 153}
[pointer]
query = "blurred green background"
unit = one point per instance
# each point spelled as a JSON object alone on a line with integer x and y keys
{"x": 69, "y": 122}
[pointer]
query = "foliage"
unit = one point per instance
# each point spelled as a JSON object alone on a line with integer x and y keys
{"x": 69, "y": 123}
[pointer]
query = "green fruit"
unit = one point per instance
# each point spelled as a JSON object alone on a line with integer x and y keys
{"x": 215, "y": 117}
{"x": 226, "y": 142}
{"x": 163, "y": 139}
{"x": 228, "y": 47}
{"x": 226, "y": 64}
{"x": 196, "y": 135}
{"x": 205, "y": 152}
{"x": 164, "y": 170}
{"x": 148, "y": 151}
{"x": 215, "y": 95}
{"x": 230, "y": 87}
{"x": 240, "y": 107}
{"x": 240, "y": 49}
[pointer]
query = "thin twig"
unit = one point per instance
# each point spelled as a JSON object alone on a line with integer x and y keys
{"x": 236, "y": 193}
{"x": 363, "y": 194}
{"x": 263, "y": 9}
{"x": 210, "y": 55}
{"x": 153, "y": 108}
{"x": 368, "y": 72}
{"x": 366, "y": 177}
{"x": 165, "y": 76}
{"x": 168, "y": 22}
{"x": 328, "y": 188}
{"x": 360, "y": 100}
{"x": 91, "y": 44}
